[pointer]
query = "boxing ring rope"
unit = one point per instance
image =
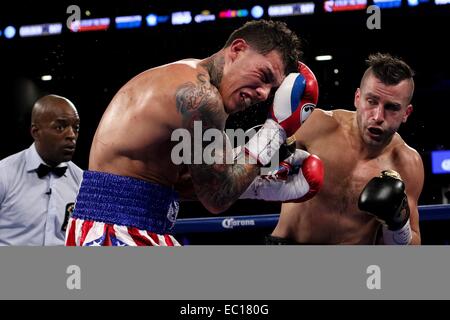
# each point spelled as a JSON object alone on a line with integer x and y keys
{"x": 233, "y": 223}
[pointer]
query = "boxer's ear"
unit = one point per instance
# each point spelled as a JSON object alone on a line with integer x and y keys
{"x": 409, "y": 110}
{"x": 237, "y": 47}
{"x": 357, "y": 97}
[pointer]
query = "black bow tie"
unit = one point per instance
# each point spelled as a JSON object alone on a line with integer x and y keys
{"x": 44, "y": 170}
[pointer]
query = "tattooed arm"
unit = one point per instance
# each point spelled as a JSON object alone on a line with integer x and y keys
{"x": 217, "y": 185}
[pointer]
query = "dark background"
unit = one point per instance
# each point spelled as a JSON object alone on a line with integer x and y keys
{"x": 89, "y": 67}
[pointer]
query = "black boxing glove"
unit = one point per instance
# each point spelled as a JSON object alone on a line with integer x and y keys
{"x": 385, "y": 198}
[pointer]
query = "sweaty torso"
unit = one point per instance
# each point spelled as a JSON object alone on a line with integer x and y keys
{"x": 332, "y": 216}
{"x": 134, "y": 135}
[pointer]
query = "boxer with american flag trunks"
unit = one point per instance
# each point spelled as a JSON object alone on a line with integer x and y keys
{"x": 128, "y": 195}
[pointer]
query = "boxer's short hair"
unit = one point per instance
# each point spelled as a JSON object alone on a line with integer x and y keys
{"x": 388, "y": 69}
{"x": 265, "y": 36}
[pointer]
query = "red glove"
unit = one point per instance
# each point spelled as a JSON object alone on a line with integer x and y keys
{"x": 295, "y": 100}
{"x": 296, "y": 187}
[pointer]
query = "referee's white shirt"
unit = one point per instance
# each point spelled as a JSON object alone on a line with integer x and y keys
{"x": 34, "y": 211}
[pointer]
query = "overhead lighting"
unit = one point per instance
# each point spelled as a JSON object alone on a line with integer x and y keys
{"x": 391, "y": 3}
{"x": 227, "y": 14}
{"x": 152, "y": 20}
{"x": 40, "y": 30}
{"x": 325, "y": 57}
{"x": 128, "y": 22}
{"x": 413, "y": 3}
{"x": 90, "y": 25}
{"x": 205, "y": 15}
{"x": 344, "y": 5}
{"x": 291, "y": 9}
{"x": 9, "y": 32}
{"x": 257, "y": 12}
{"x": 181, "y": 17}
{"x": 46, "y": 77}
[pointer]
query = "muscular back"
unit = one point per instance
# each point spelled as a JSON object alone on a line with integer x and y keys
{"x": 332, "y": 216}
{"x": 133, "y": 137}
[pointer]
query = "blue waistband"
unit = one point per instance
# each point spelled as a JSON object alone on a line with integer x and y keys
{"x": 126, "y": 201}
